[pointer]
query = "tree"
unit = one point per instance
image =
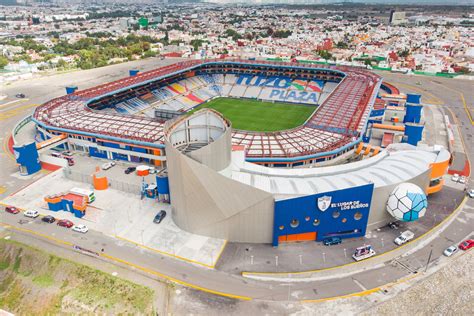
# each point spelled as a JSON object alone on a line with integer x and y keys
{"x": 232, "y": 33}
{"x": 404, "y": 53}
{"x": 3, "y": 62}
{"x": 62, "y": 63}
{"x": 342, "y": 45}
{"x": 281, "y": 34}
{"x": 324, "y": 54}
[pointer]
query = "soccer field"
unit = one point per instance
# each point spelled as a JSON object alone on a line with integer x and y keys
{"x": 255, "y": 115}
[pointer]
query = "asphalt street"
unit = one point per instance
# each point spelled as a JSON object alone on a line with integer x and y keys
{"x": 454, "y": 94}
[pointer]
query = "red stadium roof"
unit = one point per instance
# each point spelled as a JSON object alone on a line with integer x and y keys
{"x": 337, "y": 122}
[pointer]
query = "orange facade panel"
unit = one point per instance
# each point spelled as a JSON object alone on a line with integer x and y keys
{"x": 311, "y": 236}
{"x": 435, "y": 188}
{"x": 439, "y": 169}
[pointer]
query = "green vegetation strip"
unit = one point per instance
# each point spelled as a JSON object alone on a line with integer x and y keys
{"x": 33, "y": 282}
{"x": 260, "y": 116}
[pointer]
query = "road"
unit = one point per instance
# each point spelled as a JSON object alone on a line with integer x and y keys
{"x": 214, "y": 281}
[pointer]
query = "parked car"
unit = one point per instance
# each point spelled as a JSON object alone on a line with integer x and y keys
{"x": 130, "y": 170}
{"x": 159, "y": 217}
{"x": 108, "y": 165}
{"x": 56, "y": 154}
{"x": 404, "y": 237}
{"x": 363, "y": 252}
{"x": 462, "y": 180}
{"x": 152, "y": 170}
{"x": 80, "y": 228}
{"x": 65, "y": 223}
{"x": 12, "y": 210}
{"x": 332, "y": 241}
{"x": 448, "y": 252}
{"x": 466, "y": 244}
{"x": 31, "y": 213}
{"x": 20, "y": 95}
{"x": 393, "y": 225}
{"x": 455, "y": 177}
{"x": 48, "y": 219}
{"x": 67, "y": 153}
{"x": 470, "y": 193}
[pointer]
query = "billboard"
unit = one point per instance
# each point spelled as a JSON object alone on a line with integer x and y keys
{"x": 342, "y": 213}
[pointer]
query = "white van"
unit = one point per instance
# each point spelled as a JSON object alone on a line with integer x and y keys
{"x": 31, "y": 213}
{"x": 87, "y": 193}
{"x": 404, "y": 237}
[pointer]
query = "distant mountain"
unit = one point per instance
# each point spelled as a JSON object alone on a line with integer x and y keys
{"x": 386, "y": 2}
{"x": 7, "y": 2}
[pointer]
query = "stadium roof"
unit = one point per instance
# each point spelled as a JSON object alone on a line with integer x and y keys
{"x": 379, "y": 170}
{"x": 338, "y": 122}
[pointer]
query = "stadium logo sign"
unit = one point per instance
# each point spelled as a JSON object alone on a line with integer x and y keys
{"x": 324, "y": 202}
{"x": 350, "y": 205}
{"x": 262, "y": 81}
{"x": 295, "y": 96}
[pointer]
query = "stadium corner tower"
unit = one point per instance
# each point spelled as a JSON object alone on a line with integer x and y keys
{"x": 316, "y": 180}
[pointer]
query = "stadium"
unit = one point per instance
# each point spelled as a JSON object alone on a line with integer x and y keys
{"x": 255, "y": 151}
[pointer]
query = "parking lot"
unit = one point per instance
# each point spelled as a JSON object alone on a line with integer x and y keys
{"x": 124, "y": 215}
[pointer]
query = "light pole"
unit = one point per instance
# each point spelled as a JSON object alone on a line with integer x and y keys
{"x": 429, "y": 258}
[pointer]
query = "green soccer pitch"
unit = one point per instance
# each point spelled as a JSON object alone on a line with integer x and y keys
{"x": 260, "y": 116}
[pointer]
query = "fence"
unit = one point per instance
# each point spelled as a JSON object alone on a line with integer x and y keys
{"x": 83, "y": 177}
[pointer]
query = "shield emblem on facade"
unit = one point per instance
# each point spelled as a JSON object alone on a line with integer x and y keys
{"x": 324, "y": 202}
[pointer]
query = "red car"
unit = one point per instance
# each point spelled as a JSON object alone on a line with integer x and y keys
{"x": 65, "y": 223}
{"x": 466, "y": 244}
{"x": 12, "y": 210}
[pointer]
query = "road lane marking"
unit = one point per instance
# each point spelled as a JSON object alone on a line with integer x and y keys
{"x": 6, "y": 114}
{"x": 363, "y": 293}
{"x": 359, "y": 284}
{"x": 466, "y": 108}
{"x": 12, "y": 102}
{"x": 433, "y": 99}
{"x": 32, "y": 232}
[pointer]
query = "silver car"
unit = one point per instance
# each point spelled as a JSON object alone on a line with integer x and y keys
{"x": 448, "y": 252}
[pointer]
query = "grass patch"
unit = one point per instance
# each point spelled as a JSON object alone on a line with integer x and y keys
{"x": 12, "y": 297}
{"x": 4, "y": 265}
{"x": 16, "y": 265}
{"x": 112, "y": 290}
{"x": 260, "y": 116}
{"x": 43, "y": 280}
